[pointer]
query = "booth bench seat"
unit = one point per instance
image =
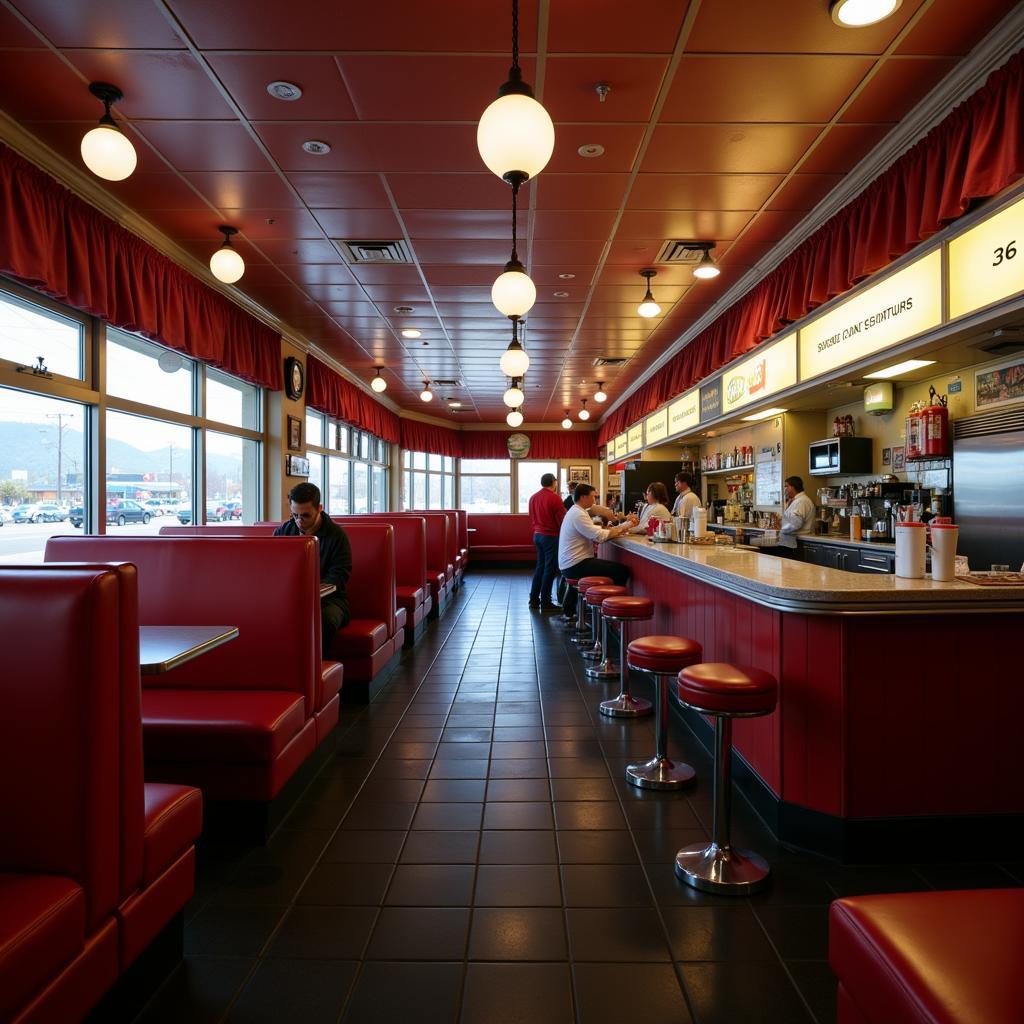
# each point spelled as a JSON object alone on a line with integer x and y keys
{"x": 500, "y": 538}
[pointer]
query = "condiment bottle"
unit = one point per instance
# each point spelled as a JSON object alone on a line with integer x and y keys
{"x": 855, "y": 533}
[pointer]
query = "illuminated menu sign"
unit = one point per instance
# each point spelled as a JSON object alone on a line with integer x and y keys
{"x": 711, "y": 401}
{"x": 621, "y": 443}
{"x": 635, "y": 438}
{"x": 684, "y": 412}
{"x": 656, "y": 426}
{"x": 609, "y": 449}
{"x": 986, "y": 263}
{"x": 905, "y": 304}
{"x": 769, "y": 370}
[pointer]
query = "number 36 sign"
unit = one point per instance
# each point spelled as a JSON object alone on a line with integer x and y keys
{"x": 985, "y": 265}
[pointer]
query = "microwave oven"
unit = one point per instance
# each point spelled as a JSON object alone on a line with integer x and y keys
{"x": 840, "y": 456}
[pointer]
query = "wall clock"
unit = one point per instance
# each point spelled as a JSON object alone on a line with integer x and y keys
{"x": 294, "y": 378}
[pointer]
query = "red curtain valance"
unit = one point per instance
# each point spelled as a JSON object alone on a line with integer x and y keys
{"x": 430, "y": 438}
{"x": 58, "y": 244}
{"x": 977, "y": 151}
{"x": 544, "y": 444}
{"x": 331, "y": 393}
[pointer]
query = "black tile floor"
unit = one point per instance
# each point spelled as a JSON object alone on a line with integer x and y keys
{"x": 473, "y": 854}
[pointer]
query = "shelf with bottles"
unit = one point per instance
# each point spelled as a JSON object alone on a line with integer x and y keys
{"x": 731, "y": 471}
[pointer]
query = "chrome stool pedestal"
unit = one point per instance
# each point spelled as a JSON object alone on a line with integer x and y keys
{"x": 598, "y": 653}
{"x": 625, "y": 610}
{"x": 582, "y": 635}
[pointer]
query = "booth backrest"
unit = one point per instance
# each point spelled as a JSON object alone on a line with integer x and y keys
{"x": 60, "y": 694}
{"x": 266, "y": 586}
{"x": 494, "y": 529}
{"x": 437, "y": 538}
{"x": 462, "y": 516}
{"x": 371, "y": 590}
{"x": 410, "y": 546}
{"x": 452, "y": 534}
{"x": 259, "y": 530}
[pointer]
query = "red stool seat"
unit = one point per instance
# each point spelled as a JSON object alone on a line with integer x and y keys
{"x": 627, "y": 607}
{"x": 571, "y": 580}
{"x": 595, "y": 595}
{"x": 587, "y": 582}
{"x": 664, "y": 655}
{"x": 719, "y": 689}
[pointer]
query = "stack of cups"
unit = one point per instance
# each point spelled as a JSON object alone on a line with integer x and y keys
{"x": 699, "y": 522}
{"x": 944, "y": 537}
{"x": 910, "y": 545}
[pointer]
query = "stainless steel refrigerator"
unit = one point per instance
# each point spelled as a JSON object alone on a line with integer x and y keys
{"x": 988, "y": 488}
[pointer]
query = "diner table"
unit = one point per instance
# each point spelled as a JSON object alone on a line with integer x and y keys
{"x": 162, "y": 648}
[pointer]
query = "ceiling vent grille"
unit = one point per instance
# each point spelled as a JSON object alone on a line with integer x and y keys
{"x": 686, "y": 252}
{"x": 374, "y": 252}
{"x": 609, "y": 361}
{"x": 440, "y": 382}
{"x": 1003, "y": 341}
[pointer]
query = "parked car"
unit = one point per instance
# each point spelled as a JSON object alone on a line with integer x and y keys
{"x": 235, "y": 508}
{"x": 216, "y": 512}
{"x": 42, "y": 512}
{"x": 155, "y": 506}
{"x": 125, "y": 510}
{"x": 5, "y": 516}
{"x": 77, "y": 515}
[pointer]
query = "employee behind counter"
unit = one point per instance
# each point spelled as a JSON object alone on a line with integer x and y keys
{"x": 797, "y": 520}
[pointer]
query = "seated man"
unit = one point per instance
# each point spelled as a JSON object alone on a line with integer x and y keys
{"x": 309, "y": 518}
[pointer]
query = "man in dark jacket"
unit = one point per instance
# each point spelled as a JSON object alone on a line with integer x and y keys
{"x": 309, "y": 518}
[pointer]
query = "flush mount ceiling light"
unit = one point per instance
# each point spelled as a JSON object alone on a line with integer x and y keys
{"x": 584, "y": 413}
{"x": 707, "y": 268}
{"x": 106, "y": 150}
{"x": 515, "y": 135}
{"x": 898, "y": 369}
{"x": 600, "y": 395}
{"x": 514, "y": 418}
{"x": 454, "y": 403}
{"x": 766, "y": 414}
{"x": 514, "y": 360}
{"x": 567, "y": 277}
{"x": 225, "y": 264}
{"x": 591, "y": 150}
{"x": 567, "y": 422}
{"x": 410, "y": 332}
{"x": 287, "y": 91}
{"x": 514, "y": 396}
{"x": 316, "y": 147}
{"x": 379, "y": 384}
{"x": 860, "y": 13}
{"x": 426, "y": 394}
{"x": 648, "y": 307}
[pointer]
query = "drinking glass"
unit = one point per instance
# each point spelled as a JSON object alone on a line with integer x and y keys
{"x": 1000, "y": 568}
{"x": 963, "y": 566}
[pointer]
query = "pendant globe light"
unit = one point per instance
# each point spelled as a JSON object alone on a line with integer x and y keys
{"x": 600, "y": 395}
{"x": 513, "y": 293}
{"x": 426, "y": 394}
{"x": 567, "y": 422}
{"x": 514, "y": 360}
{"x": 707, "y": 268}
{"x": 584, "y": 413}
{"x": 106, "y": 150}
{"x": 514, "y": 396}
{"x": 225, "y": 264}
{"x": 379, "y": 384}
{"x": 515, "y": 135}
{"x": 648, "y": 307}
{"x": 514, "y": 418}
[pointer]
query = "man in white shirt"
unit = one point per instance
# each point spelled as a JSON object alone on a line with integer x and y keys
{"x": 576, "y": 540}
{"x": 686, "y": 498}
{"x": 797, "y": 519}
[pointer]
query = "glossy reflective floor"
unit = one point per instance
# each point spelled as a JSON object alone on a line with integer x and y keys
{"x": 473, "y": 854}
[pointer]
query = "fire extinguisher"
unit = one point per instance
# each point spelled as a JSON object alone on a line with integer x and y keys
{"x": 914, "y": 444}
{"x": 935, "y": 426}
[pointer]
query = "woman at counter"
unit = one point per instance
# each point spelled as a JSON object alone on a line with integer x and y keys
{"x": 656, "y": 507}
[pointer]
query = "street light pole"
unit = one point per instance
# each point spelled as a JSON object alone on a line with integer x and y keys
{"x": 59, "y": 417}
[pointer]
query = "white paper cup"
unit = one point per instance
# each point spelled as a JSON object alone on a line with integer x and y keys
{"x": 944, "y": 538}
{"x": 910, "y": 545}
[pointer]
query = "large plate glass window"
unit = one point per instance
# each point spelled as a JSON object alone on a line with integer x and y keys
{"x": 232, "y": 479}
{"x": 232, "y": 401}
{"x": 28, "y": 332}
{"x": 486, "y": 485}
{"x": 528, "y": 474}
{"x": 339, "y": 492}
{"x": 149, "y": 374}
{"x": 360, "y": 488}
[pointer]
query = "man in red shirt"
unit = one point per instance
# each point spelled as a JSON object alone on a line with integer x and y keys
{"x": 546, "y": 515}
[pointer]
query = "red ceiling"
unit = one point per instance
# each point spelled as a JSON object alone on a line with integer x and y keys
{"x": 726, "y": 121}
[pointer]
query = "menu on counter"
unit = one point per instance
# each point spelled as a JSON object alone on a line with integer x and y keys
{"x": 767, "y": 477}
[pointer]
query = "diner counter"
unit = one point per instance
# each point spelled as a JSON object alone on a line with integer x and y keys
{"x": 786, "y": 584}
{"x": 811, "y": 538}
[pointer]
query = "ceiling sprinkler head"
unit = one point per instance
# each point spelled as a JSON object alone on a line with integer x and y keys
{"x": 602, "y": 89}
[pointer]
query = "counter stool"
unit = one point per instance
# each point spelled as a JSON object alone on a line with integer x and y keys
{"x": 727, "y": 692}
{"x": 595, "y": 595}
{"x": 661, "y": 657}
{"x": 582, "y": 634}
{"x": 625, "y": 610}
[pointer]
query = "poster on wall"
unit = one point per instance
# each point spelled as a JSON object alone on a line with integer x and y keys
{"x": 996, "y": 386}
{"x": 579, "y": 475}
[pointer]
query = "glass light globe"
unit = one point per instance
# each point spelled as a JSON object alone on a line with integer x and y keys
{"x": 514, "y": 418}
{"x": 227, "y": 265}
{"x": 858, "y": 13}
{"x": 649, "y": 308}
{"x": 515, "y": 133}
{"x": 584, "y": 414}
{"x": 567, "y": 423}
{"x": 705, "y": 273}
{"x": 513, "y": 293}
{"x": 514, "y": 397}
{"x": 379, "y": 384}
{"x": 514, "y": 361}
{"x": 108, "y": 153}
{"x": 600, "y": 395}
{"x": 427, "y": 395}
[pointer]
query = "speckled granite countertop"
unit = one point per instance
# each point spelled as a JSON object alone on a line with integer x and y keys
{"x": 812, "y": 538}
{"x": 790, "y": 585}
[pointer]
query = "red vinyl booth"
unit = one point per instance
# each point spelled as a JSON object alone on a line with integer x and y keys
{"x": 412, "y": 592}
{"x": 93, "y": 862}
{"x": 462, "y": 517}
{"x": 501, "y": 537}
{"x": 440, "y": 572}
{"x": 240, "y": 720}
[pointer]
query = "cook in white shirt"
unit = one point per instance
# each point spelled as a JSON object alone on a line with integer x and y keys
{"x": 798, "y": 519}
{"x": 686, "y": 498}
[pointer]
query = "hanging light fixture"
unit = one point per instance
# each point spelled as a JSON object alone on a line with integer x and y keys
{"x": 515, "y": 135}
{"x": 426, "y": 394}
{"x": 513, "y": 293}
{"x": 514, "y": 396}
{"x": 584, "y": 413}
{"x": 514, "y": 418}
{"x": 379, "y": 384}
{"x": 106, "y": 150}
{"x": 225, "y": 264}
{"x": 859, "y": 13}
{"x": 600, "y": 395}
{"x": 567, "y": 422}
{"x": 707, "y": 268}
{"x": 648, "y": 307}
{"x": 514, "y": 360}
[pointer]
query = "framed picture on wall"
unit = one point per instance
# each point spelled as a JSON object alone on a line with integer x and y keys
{"x": 294, "y": 434}
{"x": 886, "y": 456}
{"x": 579, "y": 475}
{"x": 1000, "y": 385}
{"x": 294, "y": 465}
{"x": 899, "y": 459}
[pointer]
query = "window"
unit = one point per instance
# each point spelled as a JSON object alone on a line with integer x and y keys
{"x": 339, "y": 493}
{"x": 380, "y": 489}
{"x": 148, "y": 374}
{"x": 232, "y": 479}
{"x": 314, "y": 429}
{"x": 528, "y": 474}
{"x": 29, "y": 331}
{"x": 360, "y": 488}
{"x": 486, "y": 485}
{"x": 349, "y": 483}
{"x": 43, "y": 472}
{"x": 232, "y": 401}
{"x": 428, "y": 481}
{"x": 316, "y": 472}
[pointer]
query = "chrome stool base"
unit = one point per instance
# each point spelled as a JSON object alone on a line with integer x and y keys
{"x": 659, "y": 773}
{"x": 625, "y": 706}
{"x": 721, "y": 869}
{"x": 581, "y": 638}
{"x": 603, "y": 670}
